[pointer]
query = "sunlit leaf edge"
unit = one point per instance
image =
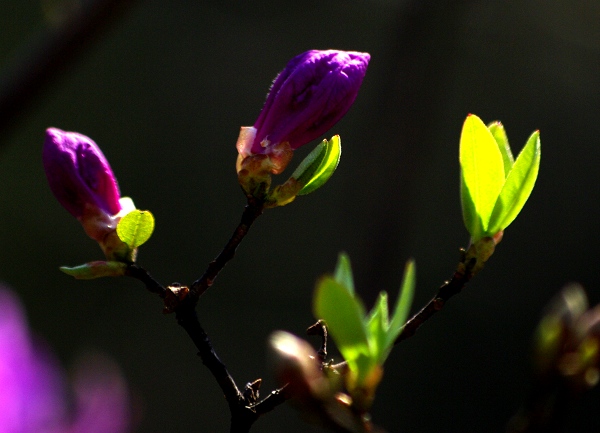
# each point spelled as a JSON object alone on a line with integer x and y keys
{"x": 499, "y": 134}
{"x": 403, "y": 303}
{"x": 327, "y": 166}
{"x": 135, "y": 228}
{"x": 518, "y": 186}
{"x": 482, "y": 166}
{"x": 343, "y": 272}
{"x": 344, "y": 316}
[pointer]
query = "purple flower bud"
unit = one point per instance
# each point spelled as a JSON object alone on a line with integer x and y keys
{"x": 308, "y": 97}
{"x": 33, "y": 390}
{"x": 79, "y": 174}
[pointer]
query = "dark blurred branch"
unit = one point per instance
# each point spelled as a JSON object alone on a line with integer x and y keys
{"x": 49, "y": 54}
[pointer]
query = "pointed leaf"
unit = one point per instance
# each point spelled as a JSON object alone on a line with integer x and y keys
{"x": 135, "y": 228}
{"x": 343, "y": 272}
{"x": 344, "y": 316}
{"x": 316, "y": 169}
{"x": 309, "y": 165}
{"x": 403, "y": 303}
{"x": 497, "y": 130}
{"x": 97, "y": 269}
{"x": 482, "y": 167}
{"x": 377, "y": 326}
{"x": 518, "y": 186}
{"x": 471, "y": 219}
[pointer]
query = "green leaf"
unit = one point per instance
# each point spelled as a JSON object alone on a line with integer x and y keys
{"x": 319, "y": 165}
{"x": 518, "y": 186}
{"x": 97, "y": 269}
{"x": 377, "y": 327}
{"x": 482, "y": 171}
{"x": 470, "y": 217}
{"x": 344, "y": 315}
{"x": 135, "y": 228}
{"x": 365, "y": 364}
{"x": 497, "y": 130}
{"x": 343, "y": 272}
{"x": 403, "y": 303}
{"x": 309, "y": 165}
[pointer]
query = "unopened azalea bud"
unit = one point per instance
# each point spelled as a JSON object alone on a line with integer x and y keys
{"x": 81, "y": 179}
{"x": 307, "y": 98}
{"x": 79, "y": 174}
{"x": 296, "y": 364}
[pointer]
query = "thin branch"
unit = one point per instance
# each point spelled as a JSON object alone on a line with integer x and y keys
{"x": 320, "y": 329}
{"x": 151, "y": 284}
{"x": 252, "y": 211}
{"x": 445, "y": 292}
{"x": 243, "y": 405}
{"x": 188, "y": 320}
{"x": 274, "y": 399}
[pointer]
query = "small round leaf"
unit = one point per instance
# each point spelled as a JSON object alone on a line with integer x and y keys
{"x": 135, "y": 228}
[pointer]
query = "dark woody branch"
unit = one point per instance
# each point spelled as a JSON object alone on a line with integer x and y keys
{"x": 252, "y": 211}
{"x": 445, "y": 292}
{"x": 471, "y": 262}
{"x": 49, "y": 54}
{"x": 244, "y": 405}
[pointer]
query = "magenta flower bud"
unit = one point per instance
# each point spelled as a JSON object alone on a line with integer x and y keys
{"x": 79, "y": 174}
{"x": 33, "y": 389}
{"x": 307, "y": 98}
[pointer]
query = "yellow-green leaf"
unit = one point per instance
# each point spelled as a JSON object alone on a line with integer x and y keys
{"x": 403, "y": 303}
{"x": 499, "y": 133}
{"x": 319, "y": 165}
{"x": 135, "y": 228}
{"x": 482, "y": 171}
{"x": 518, "y": 185}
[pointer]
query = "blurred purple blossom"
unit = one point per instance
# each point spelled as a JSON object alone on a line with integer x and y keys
{"x": 79, "y": 175}
{"x": 33, "y": 393}
{"x": 308, "y": 97}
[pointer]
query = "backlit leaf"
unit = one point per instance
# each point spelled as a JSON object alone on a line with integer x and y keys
{"x": 518, "y": 186}
{"x": 343, "y": 315}
{"x": 319, "y": 165}
{"x": 482, "y": 170}
{"x": 135, "y": 228}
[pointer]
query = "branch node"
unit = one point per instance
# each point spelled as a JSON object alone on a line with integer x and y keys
{"x": 174, "y": 295}
{"x": 252, "y": 392}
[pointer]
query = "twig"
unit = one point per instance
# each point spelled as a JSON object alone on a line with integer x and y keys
{"x": 445, "y": 292}
{"x": 151, "y": 284}
{"x": 320, "y": 329}
{"x": 243, "y": 406}
{"x": 253, "y": 210}
{"x": 188, "y": 320}
{"x": 274, "y": 399}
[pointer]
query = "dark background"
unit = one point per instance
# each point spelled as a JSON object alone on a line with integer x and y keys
{"x": 164, "y": 89}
